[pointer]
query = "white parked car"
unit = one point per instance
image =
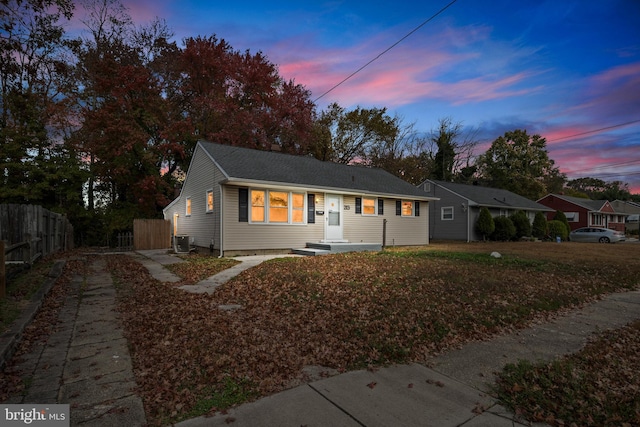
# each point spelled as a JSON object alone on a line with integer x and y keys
{"x": 596, "y": 235}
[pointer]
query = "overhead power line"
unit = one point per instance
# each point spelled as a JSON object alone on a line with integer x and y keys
{"x": 595, "y": 130}
{"x": 384, "y": 51}
{"x": 609, "y": 165}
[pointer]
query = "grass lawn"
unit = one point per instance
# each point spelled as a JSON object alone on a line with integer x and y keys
{"x": 20, "y": 290}
{"x": 345, "y": 311}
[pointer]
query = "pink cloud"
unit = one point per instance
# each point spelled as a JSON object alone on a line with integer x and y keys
{"x": 398, "y": 79}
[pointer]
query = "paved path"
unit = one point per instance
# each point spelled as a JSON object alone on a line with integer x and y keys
{"x": 85, "y": 362}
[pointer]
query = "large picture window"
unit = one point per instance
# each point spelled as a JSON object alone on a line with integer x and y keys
{"x": 276, "y": 207}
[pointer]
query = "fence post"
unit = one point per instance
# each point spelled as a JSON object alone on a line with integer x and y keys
{"x": 26, "y": 250}
{"x": 3, "y": 273}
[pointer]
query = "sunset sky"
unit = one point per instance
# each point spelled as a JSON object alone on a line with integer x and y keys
{"x": 567, "y": 70}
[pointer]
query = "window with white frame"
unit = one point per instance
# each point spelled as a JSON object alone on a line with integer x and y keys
{"x": 407, "y": 208}
{"x": 572, "y": 216}
{"x": 369, "y": 206}
{"x": 596, "y": 219}
{"x": 187, "y": 210}
{"x": 446, "y": 213}
{"x": 277, "y": 207}
{"x": 209, "y": 201}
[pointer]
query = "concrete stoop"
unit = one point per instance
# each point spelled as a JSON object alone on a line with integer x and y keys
{"x": 325, "y": 248}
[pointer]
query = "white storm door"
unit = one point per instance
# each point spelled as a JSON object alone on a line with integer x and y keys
{"x": 333, "y": 208}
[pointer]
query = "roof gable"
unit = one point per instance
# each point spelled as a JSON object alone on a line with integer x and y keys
{"x": 588, "y": 204}
{"x": 490, "y": 197}
{"x": 240, "y": 164}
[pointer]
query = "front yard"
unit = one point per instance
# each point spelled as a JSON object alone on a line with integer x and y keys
{"x": 344, "y": 312}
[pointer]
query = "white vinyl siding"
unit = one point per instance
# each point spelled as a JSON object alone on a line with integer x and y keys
{"x": 401, "y": 231}
{"x": 246, "y": 236}
{"x": 203, "y": 175}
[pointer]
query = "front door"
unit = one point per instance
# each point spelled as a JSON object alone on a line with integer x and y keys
{"x": 333, "y": 218}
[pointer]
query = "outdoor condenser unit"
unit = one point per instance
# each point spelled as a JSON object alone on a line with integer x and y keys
{"x": 182, "y": 244}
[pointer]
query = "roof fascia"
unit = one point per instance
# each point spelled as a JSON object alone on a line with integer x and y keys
{"x": 220, "y": 168}
{"x": 288, "y": 186}
{"x": 456, "y": 194}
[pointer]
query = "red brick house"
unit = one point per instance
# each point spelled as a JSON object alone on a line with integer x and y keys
{"x": 584, "y": 212}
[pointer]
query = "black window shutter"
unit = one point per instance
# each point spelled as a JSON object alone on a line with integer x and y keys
{"x": 398, "y": 207}
{"x": 380, "y": 206}
{"x": 358, "y": 205}
{"x": 311, "y": 208}
{"x": 417, "y": 208}
{"x": 243, "y": 204}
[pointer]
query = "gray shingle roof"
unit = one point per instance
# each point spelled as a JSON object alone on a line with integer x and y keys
{"x": 491, "y": 197}
{"x": 271, "y": 167}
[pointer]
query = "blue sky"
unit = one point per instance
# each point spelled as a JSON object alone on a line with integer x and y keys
{"x": 567, "y": 70}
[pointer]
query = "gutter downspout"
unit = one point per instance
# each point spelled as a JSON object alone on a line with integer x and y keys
{"x": 221, "y": 220}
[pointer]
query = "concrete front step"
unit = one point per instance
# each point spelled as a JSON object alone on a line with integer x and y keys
{"x": 315, "y": 248}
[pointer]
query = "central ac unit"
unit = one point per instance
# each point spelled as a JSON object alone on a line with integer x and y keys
{"x": 182, "y": 244}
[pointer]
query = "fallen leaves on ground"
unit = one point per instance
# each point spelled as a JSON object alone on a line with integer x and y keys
{"x": 598, "y": 386}
{"x": 198, "y": 267}
{"x": 344, "y": 312}
{"x": 45, "y": 322}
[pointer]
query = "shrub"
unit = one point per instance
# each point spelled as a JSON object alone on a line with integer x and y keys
{"x": 485, "y": 224}
{"x": 539, "y": 229}
{"x": 504, "y": 229}
{"x": 557, "y": 228}
{"x": 522, "y": 224}
{"x": 560, "y": 216}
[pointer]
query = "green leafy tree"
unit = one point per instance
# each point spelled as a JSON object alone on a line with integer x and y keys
{"x": 597, "y": 189}
{"x": 452, "y": 160}
{"x": 539, "y": 228}
{"x": 519, "y": 162}
{"x": 445, "y": 141}
{"x": 521, "y": 223}
{"x": 485, "y": 225}
{"x": 33, "y": 70}
{"x": 504, "y": 229}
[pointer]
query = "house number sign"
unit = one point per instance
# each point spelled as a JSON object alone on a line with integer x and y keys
{"x": 347, "y": 207}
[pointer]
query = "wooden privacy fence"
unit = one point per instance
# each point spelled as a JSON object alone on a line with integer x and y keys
{"x": 151, "y": 234}
{"x": 46, "y": 232}
{"x": 28, "y": 232}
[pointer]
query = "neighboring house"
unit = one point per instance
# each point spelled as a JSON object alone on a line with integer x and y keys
{"x": 631, "y": 210}
{"x": 454, "y": 215}
{"x": 245, "y": 201}
{"x": 584, "y": 212}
